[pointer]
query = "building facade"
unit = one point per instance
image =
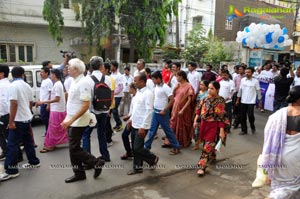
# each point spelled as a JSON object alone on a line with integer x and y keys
{"x": 24, "y": 36}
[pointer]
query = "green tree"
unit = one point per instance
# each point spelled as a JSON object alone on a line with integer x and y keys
{"x": 217, "y": 52}
{"x": 144, "y": 21}
{"x": 197, "y": 45}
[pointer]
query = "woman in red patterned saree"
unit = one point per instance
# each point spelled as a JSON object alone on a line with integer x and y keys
{"x": 214, "y": 125}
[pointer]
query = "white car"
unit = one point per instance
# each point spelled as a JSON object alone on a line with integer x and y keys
{"x": 33, "y": 78}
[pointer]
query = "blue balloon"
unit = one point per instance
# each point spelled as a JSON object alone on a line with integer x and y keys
{"x": 276, "y": 46}
{"x": 244, "y": 41}
{"x": 284, "y": 31}
{"x": 247, "y": 29}
{"x": 261, "y": 23}
{"x": 269, "y": 37}
{"x": 280, "y": 39}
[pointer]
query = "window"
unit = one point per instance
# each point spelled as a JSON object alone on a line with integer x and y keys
{"x": 66, "y": 4}
{"x": 3, "y": 52}
{"x": 228, "y": 24}
{"x": 38, "y": 78}
{"x": 28, "y": 78}
{"x": 16, "y": 52}
{"x": 197, "y": 20}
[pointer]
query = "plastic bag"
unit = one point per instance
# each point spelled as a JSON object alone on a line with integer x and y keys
{"x": 219, "y": 145}
{"x": 261, "y": 175}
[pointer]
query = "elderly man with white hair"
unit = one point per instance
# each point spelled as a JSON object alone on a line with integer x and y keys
{"x": 77, "y": 119}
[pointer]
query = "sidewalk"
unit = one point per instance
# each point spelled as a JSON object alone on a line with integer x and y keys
{"x": 48, "y": 180}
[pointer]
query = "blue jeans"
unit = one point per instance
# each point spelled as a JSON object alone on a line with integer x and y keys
{"x": 116, "y": 112}
{"x": 15, "y": 136}
{"x": 164, "y": 121}
{"x": 86, "y": 139}
{"x": 126, "y": 143}
{"x": 44, "y": 116}
{"x": 278, "y": 105}
{"x": 101, "y": 132}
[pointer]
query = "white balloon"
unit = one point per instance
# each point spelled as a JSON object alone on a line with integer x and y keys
{"x": 277, "y": 26}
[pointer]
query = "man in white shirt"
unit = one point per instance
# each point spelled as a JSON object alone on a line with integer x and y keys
{"x": 127, "y": 80}
{"x": 297, "y": 77}
{"x": 163, "y": 101}
{"x": 45, "y": 91}
{"x": 140, "y": 66}
{"x": 77, "y": 119}
{"x": 193, "y": 76}
{"x": 101, "y": 116}
{"x": 173, "y": 80}
{"x": 226, "y": 91}
{"x": 140, "y": 121}
{"x": 118, "y": 94}
{"x": 4, "y": 108}
{"x": 20, "y": 96}
{"x": 248, "y": 91}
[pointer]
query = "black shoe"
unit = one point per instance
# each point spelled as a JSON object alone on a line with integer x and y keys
{"x": 242, "y": 133}
{"x": 98, "y": 167}
{"x": 87, "y": 167}
{"x": 106, "y": 160}
{"x": 2, "y": 157}
{"x": 253, "y": 131}
{"x": 75, "y": 178}
{"x": 166, "y": 146}
{"x": 135, "y": 171}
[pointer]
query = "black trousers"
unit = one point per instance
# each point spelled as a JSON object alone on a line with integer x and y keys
{"x": 247, "y": 110}
{"x": 4, "y": 132}
{"x": 77, "y": 155}
{"x": 140, "y": 153}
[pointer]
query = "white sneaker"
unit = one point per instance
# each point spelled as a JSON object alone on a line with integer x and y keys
{"x": 31, "y": 166}
{"x": 5, "y": 176}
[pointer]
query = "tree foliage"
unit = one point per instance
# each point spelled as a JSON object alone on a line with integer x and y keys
{"x": 217, "y": 51}
{"x": 144, "y": 21}
{"x": 197, "y": 45}
{"x": 52, "y": 13}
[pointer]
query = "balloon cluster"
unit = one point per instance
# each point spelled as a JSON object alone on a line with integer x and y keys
{"x": 264, "y": 36}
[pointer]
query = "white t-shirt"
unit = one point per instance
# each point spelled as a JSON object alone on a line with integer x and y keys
{"x": 67, "y": 83}
{"x": 79, "y": 92}
{"x": 45, "y": 89}
{"x": 91, "y": 83}
{"x": 174, "y": 82}
{"x": 4, "y": 96}
{"x": 248, "y": 90}
{"x": 227, "y": 88}
{"x": 127, "y": 80}
{"x": 266, "y": 76}
{"x": 296, "y": 81}
{"x": 161, "y": 96}
{"x": 58, "y": 90}
{"x": 119, "y": 84}
{"x": 194, "y": 80}
{"x": 22, "y": 92}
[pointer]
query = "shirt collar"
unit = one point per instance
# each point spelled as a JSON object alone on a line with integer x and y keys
{"x": 96, "y": 72}
{"x": 142, "y": 89}
{"x": 78, "y": 78}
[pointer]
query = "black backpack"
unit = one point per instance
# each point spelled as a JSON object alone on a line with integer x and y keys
{"x": 102, "y": 95}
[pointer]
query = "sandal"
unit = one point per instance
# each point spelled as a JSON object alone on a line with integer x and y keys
{"x": 126, "y": 156}
{"x": 174, "y": 151}
{"x": 201, "y": 172}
